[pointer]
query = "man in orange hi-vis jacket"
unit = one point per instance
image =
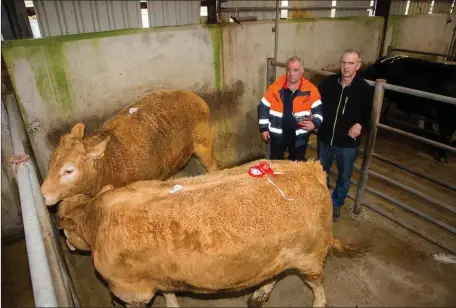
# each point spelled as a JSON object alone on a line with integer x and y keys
{"x": 289, "y": 110}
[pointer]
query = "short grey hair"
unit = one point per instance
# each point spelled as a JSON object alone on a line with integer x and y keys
{"x": 293, "y": 59}
{"x": 352, "y": 50}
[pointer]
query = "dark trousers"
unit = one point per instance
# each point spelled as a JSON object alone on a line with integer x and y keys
{"x": 277, "y": 150}
{"x": 345, "y": 158}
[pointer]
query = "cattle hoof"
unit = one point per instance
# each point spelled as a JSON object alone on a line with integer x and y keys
{"x": 257, "y": 301}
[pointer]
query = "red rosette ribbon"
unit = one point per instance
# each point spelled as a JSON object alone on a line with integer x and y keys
{"x": 260, "y": 170}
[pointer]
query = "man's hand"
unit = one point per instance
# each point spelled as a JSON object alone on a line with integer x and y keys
{"x": 307, "y": 125}
{"x": 265, "y": 136}
{"x": 355, "y": 131}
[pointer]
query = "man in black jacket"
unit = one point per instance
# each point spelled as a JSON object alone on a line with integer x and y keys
{"x": 347, "y": 101}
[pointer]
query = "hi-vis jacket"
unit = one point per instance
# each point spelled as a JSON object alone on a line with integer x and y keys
{"x": 306, "y": 101}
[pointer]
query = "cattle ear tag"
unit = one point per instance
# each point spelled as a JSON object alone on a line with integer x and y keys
{"x": 97, "y": 151}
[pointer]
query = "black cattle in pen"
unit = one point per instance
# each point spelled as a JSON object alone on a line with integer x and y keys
{"x": 438, "y": 78}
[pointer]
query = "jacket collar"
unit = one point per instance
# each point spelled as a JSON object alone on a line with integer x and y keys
{"x": 285, "y": 85}
{"x": 281, "y": 83}
{"x": 339, "y": 79}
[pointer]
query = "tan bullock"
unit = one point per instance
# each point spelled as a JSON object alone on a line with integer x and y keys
{"x": 223, "y": 231}
{"x": 150, "y": 139}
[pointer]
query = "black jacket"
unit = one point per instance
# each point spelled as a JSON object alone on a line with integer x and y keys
{"x": 352, "y": 104}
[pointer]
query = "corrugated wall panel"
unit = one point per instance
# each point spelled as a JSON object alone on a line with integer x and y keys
{"x": 419, "y": 7}
{"x": 173, "y": 13}
{"x": 72, "y": 17}
{"x": 442, "y": 6}
{"x": 413, "y": 8}
{"x": 425, "y": 6}
{"x": 344, "y": 13}
{"x": 261, "y": 15}
{"x": 398, "y": 7}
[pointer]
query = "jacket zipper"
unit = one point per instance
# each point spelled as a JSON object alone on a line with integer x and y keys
{"x": 337, "y": 112}
{"x": 343, "y": 110}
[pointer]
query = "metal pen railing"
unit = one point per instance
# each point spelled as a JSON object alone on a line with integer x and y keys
{"x": 51, "y": 282}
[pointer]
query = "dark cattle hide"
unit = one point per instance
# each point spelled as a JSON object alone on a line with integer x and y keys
{"x": 421, "y": 75}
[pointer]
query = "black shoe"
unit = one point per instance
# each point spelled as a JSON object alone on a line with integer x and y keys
{"x": 336, "y": 213}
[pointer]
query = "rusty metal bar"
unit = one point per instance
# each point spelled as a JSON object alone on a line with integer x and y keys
{"x": 437, "y": 97}
{"x": 290, "y": 8}
{"x": 422, "y": 52}
{"x": 411, "y": 190}
{"x": 416, "y": 137}
{"x": 375, "y": 117}
{"x": 416, "y": 173}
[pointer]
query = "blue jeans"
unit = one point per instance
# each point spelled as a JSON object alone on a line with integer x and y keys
{"x": 345, "y": 158}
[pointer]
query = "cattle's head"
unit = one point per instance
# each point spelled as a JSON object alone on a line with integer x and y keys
{"x": 68, "y": 215}
{"x": 71, "y": 167}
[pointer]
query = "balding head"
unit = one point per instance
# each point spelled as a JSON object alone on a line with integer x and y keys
{"x": 295, "y": 70}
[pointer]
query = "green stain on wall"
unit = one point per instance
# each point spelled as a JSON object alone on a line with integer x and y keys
{"x": 47, "y": 58}
{"x": 217, "y": 47}
{"x": 48, "y": 63}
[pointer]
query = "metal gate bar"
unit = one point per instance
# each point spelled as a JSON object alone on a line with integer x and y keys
{"x": 427, "y": 53}
{"x": 416, "y": 173}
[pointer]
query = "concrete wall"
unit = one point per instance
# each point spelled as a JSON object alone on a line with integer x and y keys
{"x": 11, "y": 209}
{"x": 420, "y": 32}
{"x": 320, "y": 42}
{"x": 88, "y": 77}
{"x": 245, "y": 50}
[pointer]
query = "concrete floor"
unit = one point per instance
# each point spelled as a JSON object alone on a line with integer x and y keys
{"x": 400, "y": 270}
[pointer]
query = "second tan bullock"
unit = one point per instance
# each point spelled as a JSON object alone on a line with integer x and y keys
{"x": 223, "y": 231}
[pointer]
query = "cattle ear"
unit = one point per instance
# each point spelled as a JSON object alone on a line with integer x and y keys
{"x": 78, "y": 130}
{"x": 105, "y": 189}
{"x": 67, "y": 224}
{"x": 98, "y": 151}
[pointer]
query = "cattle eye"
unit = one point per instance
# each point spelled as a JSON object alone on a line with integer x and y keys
{"x": 68, "y": 171}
